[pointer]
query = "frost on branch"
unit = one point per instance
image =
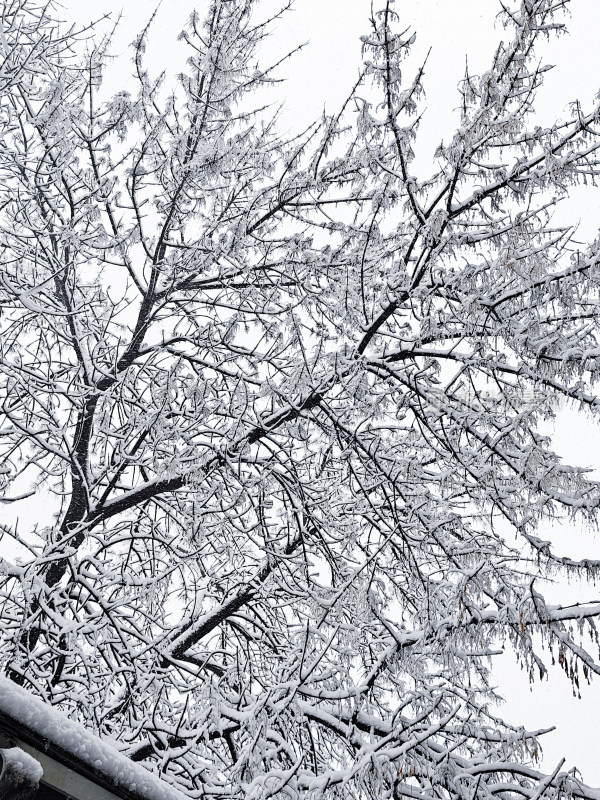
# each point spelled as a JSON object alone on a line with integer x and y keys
{"x": 281, "y": 403}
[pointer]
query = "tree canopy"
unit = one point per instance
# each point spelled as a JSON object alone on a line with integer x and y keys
{"x": 280, "y": 408}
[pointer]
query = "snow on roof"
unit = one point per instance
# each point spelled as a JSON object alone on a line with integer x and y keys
{"x": 20, "y": 763}
{"x": 80, "y": 745}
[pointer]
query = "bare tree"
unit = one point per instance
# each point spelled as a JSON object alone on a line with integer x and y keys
{"x": 277, "y": 405}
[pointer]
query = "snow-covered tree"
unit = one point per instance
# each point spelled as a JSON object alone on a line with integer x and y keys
{"x": 278, "y": 408}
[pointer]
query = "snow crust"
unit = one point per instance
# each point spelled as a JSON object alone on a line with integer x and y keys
{"x": 32, "y": 714}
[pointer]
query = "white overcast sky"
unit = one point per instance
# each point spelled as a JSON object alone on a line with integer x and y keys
{"x": 322, "y": 74}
